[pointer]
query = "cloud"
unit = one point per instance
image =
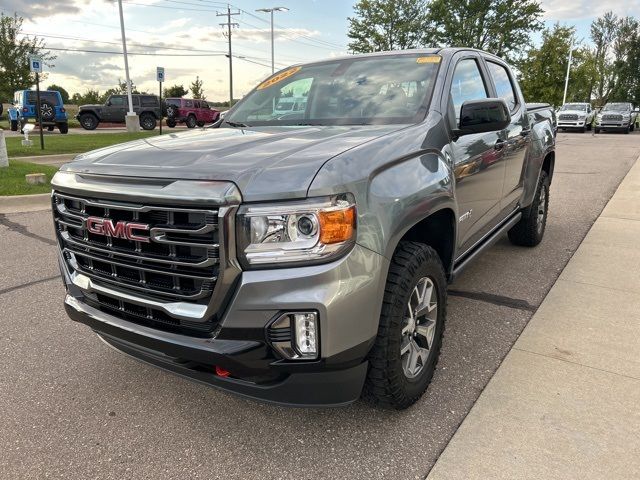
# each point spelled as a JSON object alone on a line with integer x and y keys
{"x": 586, "y": 9}
{"x": 32, "y": 9}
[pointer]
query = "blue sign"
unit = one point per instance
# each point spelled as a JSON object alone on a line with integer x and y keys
{"x": 35, "y": 64}
{"x": 160, "y": 74}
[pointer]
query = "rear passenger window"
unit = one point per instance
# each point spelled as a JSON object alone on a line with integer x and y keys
{"x": 188, "y": 103}
{"x": 148, "y": 101}
{"x": 196, "y": 104}
{"x": 502, "y": 81}
{"x": 467, "y": 84}
{"x": 204, "y": 104}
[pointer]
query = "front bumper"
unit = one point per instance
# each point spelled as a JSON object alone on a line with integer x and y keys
{"x": 572, "y": 124}
{"x": 346, "y": 294}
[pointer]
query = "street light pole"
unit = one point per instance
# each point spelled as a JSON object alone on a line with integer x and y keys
{"x": 131, "y": 118}
{"x": 566, "y": 80}
{"x": 271, "y": 10}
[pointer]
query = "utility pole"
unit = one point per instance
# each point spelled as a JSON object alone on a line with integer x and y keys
{"x": 131, "y": 118}
{"x": 229, "y": 26}
{"x": 271, "y": 10}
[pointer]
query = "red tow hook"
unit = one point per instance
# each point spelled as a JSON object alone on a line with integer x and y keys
{"x": 221, "y": 372}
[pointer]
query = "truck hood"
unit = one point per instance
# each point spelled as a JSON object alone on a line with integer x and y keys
{"x": 265, "y": 163}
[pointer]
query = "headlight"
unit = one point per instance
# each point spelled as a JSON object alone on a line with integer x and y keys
{"x": 309, "y": 231}
{"x": 582, "y": 117}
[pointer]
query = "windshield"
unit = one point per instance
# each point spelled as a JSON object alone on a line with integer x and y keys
{"x": 616, "y": 107}
{"x": 390, "y": 89}
{"x": 575, "y": 106}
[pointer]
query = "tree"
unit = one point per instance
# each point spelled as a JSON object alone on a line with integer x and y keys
{"x": 502, "y": 27}
{"x": 196, "y": 89}
{"x": 89, "y": 97}
{"x": 603, "y": 33}
{"x": 63, "y": 93}
{"x": 381, "y": 25}
{"x": 14, "y": 56}
{"x": 543, "y": 71}
{"x": 175, "y": 91}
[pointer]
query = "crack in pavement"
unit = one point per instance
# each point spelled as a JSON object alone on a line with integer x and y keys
{"x": 499, "y": 300}
{"x": 28, "y": 284}
{"x": 22, "y": 230}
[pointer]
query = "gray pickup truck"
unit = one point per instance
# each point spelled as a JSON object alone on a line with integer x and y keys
{"x": 303, "y": 257}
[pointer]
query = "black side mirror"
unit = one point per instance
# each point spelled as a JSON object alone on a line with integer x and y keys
{"x": 108, "y": 103}
{"x": 486, "y": 115}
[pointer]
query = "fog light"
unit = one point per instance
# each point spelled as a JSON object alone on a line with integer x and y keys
{"x": 306, "y": 338}
{"x": 295, "y": 336}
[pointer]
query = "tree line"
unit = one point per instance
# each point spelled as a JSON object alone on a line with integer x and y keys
{"x": 604, "y": 67}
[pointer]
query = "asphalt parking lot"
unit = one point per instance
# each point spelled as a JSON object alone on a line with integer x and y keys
{"x": 71, "y": 407}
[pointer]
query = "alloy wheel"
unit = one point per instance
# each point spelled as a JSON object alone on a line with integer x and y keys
{"x": 419, "y": 327}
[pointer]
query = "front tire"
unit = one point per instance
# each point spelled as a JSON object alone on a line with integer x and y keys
{"x": 528, "y": 232}
{"x": 171, "y": 122}
{"x": 406, "y": 349}
{"x": 191, "y": 121}
{"x": 88, "y": 121}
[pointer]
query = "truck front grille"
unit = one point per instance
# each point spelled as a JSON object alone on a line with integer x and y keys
{"x": 612, "y": 118}
{"x": 172, "y": 257}
{"x": 571, "y": 117}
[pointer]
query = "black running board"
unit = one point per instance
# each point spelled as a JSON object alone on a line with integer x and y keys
{"x": 484, "y": 243}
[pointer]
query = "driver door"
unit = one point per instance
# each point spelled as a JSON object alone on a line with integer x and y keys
{"x": 476, "y": 158}
{"x": 116, "y": 108}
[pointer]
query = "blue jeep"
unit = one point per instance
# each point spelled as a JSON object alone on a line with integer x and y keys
{"x": 52, "y": 110}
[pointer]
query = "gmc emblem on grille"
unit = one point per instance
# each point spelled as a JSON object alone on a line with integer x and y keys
{"x": 121, "y": 229}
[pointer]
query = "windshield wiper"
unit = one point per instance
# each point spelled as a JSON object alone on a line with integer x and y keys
{"x": 236, "y": 124}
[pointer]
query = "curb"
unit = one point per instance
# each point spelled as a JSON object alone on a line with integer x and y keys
{"x": 25, "y": 203}
{"x": 56, "y": 159}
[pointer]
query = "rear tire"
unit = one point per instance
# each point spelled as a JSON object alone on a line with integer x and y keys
{"x": 14, "y": 125}
{"x": 200, "y": 124}
{"x": 63, "y": 127}
{"x": 171, "y": 122}
{"x": 147, "y": 121}
{"x": 395, "y": 379}
{"x": 597, "y": 130}
{"x": 191, "y": 121}
{"x": 50, "y": 128}
{"x": 529, "y": 231}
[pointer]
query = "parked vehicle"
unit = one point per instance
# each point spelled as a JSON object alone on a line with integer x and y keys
{"x": 304, "y": 260}
{"x": 616, "y": 116}
{"x": 576, "y": 116}
{"x": 25, "y": 108}
{"x": 115, "y": 111}
{"x": 190, "y": 111}
{"x": 289, "y": 105}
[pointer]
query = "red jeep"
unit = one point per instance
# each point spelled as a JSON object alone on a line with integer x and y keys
{"x": 190, "y": 111}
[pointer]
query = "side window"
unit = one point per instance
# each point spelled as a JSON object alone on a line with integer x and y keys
{"x": 188, "y": 103}
{"x": 117, "y": 101}
{"x": 136, "y": 101}
{"x": 467, "y": 84}
{"x": 504, "y": 87}
{"x": 196, "y": 103}
{"x": 204, "y": 104}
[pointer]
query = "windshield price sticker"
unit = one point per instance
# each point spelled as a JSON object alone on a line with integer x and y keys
{"x": 431, "y": 59}
{"x": 278, "y": 78}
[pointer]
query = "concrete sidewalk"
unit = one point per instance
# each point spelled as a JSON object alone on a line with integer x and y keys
{"x": 565, "y": 403}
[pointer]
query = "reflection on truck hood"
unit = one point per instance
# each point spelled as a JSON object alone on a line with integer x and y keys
{"x": 264, "y": 162}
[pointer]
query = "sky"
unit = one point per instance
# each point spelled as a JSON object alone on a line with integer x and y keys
{"x": 185, "y": 37}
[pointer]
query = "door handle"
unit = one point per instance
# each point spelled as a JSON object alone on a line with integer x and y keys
{"x": 499, "y": 145}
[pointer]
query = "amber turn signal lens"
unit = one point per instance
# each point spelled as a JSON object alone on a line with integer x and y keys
{"x": 337, "y": 226}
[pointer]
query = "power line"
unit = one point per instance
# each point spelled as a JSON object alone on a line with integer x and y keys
{"x": 229, "y": 26}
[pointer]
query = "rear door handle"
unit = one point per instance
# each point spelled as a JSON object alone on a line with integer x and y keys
{"x": 499, "y": 144}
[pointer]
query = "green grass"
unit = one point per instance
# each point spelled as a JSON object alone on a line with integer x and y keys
{"x": 70, "y": 143}
{"x": 13, "y": 182}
